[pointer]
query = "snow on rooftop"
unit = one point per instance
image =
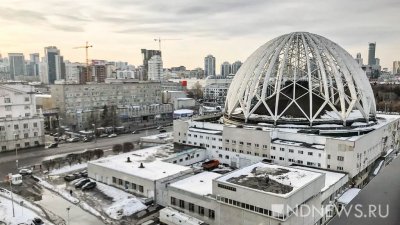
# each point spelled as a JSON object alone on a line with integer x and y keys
{"x": 183, "y": 111}
{"x": 200, "y": 184}
{"x": 331, "y": 177}
{"x": 286, "y": 176}
{"x": 318, "y": 146}
{"x": 348, "y": 196}
{"x": 284, "y": 142}
{"x": 154, "y": 167}
{"x": 200, "y": 130}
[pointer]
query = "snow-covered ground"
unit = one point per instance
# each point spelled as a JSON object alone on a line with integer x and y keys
{"x": 60, "y": 191}
{"x": 124, "y": 204}
{"x": 67, "y": 169}
{"x": 23, "y": 214}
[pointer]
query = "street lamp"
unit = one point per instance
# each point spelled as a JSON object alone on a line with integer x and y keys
{"x": 68, "y": 208}
{"x": 16, "y": 137}
{"x": 94, "y": 132}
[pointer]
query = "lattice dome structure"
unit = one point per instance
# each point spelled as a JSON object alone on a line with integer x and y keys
{"x": 300, "y": 78}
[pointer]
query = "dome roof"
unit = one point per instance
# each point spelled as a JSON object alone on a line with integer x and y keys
{"x": 303, "y": 78}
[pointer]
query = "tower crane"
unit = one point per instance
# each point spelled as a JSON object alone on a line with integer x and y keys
{"x": 159, "y": 41}
{"x": 87, "y": 46}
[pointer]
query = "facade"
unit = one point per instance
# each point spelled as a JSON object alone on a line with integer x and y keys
{"x": 216, "y": 89}
{"x": 184, "y": 103}
{"x": 21, "y": 125}
{"x": 72, "y": 72}
{"x": 17, "y": 65}
{"x": 359, "y": 60}
{"x": 136, "y": 103}
{"x": 236, "y": 66}
{"x": 396, "y": 67}
{"x": 147, "y": 55}
{"x": 371, "y": 54}
{"x": 226, "y": 69}
{"x": 209, "y": 66}
{"x": 33, "y": 63}
{"x": 155, "y": 68}
{"x": 53, "y": 64}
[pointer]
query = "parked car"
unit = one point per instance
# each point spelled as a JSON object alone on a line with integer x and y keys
{"x": 70, "y": 177}
{"x": 163, "y": 131}
{"x": 103, "y": 135}
{"x": 77, "y": 175}
{"x": 135, "y": 132}
{"x": 24, "y": 172}
{"x": 81, "y": 183}
{"x": 112, "y": 135}
{"x": 52, "y": 145}
{"x": 87, "y": 139}
{"x": 89, "y": 186}
{"x": 37, "y": 221}
{"x": 73, "y": 139}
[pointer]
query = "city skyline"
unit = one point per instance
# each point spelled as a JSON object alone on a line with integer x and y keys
{"x": 118, "y": 30}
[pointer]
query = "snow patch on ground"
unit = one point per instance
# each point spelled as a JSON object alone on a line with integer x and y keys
{"x": 67, "y": 169}
{"x": 60, "y": 191}
{"x": 124, "y": 204}
{"x": 376, "y": 171}
{"x": 23, "y": 214}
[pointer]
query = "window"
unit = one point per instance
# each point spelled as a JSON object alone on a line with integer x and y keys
{"x": 265, "y": 146}
{"x": 227, "y": 141}
{"x": 191, "y": 207}
{"x": 213, "y": 139}
{"x": 189, "y": 135}
{"x": 248, "y": 144}
{"x": 257, "y": 145}
{"x": 282, "y": 149}
{"x": 329, "y": 156}
{"x": 281, "y": 158}
{"x": 201, "y": 210}
{"x": 141, "y": 188}
{"x": 256, "y": 154}
{"x": 120, "y": 182}
{"x": 227, "y": 157}
{"x": 220, "y": 155}
{"x": 240, "y": 151}
{"x": 201, "y": 136}
{"x": 220, "y": 139}
{"x": 328, "y": 166}
{"x": 226, "y": 187}
{"x": 7, "y": 100}
{"x": 26, "y": 135}
{"x": 27, "y": 107}
{"x": 300, "y": 152}
{"x": 264, "y": 155}
{"x": 195, "y": 136}
{"x": 248, "y": 152}
{"x": 27, "y": 144}
{"x": 272, "y": 157}
{"x": 16, "y": 127}
{"x": 25, "y": 125}
{"x": 241, "y": 143}
{"x": 114, "y": 180}
{"x": 173, "y": 201}
{"x": 234, "y": 142}
{"x": 133, "y": 186}
{"x": 2, "y": 128}
{"x": 182, "y": 204}
{"x": 340, "y": 158}
{"x": 310, "y": 153}
{"x": 34, "y": 124}
{"x": 26, "y": 99}
{"x": 291, "y": 160}
{"x": 300, "y": 161}
{"x": 340, "y": 168}
{"x": 291, "y": 150}
{"x": 27, "y": 114}
{"x": 8, "y": 107}
{"x": 310, "y": 163}
{"x": 211, "y": 214}
{"x": 3, "y": 148}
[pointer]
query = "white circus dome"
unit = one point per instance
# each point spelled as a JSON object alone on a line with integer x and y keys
{"x": 300, "y": 78}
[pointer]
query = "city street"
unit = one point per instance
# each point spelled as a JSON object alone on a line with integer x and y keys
{"x": 36, "y": 155}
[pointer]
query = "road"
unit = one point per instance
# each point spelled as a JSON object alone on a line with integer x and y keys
{"x": 34, "y": 156}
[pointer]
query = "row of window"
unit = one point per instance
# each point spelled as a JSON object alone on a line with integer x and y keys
{"x": 248, "y": 144}
{"x": 26, "y": 144}
{"x": 191, "y": 207}
{"x": 16, "y": 126}
{"x": 186, "y": 158}
{"x": 339, "y": 158}
{"x": 128, "y": 185}
{"x": 253, "y": 208}
{"x": 8, "y": 100}
{"x": 338, "y": 168}
{"x": 292, "y": 151}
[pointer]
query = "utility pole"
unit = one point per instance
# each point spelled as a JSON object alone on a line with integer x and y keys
{"x": 12, "y": 196}
{"x": 68, "y": 208}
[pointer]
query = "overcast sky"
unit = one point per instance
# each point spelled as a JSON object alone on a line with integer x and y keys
{"x": 228, "y": 29}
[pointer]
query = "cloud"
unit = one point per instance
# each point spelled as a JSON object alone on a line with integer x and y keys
{"x": 67, "y": 28}
{"x": 21, "y": 15}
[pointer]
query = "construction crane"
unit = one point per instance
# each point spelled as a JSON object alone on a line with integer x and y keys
{"x": 159, "y": 41}
{"x": 87, "y": 46}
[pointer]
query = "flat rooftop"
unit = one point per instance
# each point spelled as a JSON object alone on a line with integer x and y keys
{"x": 151, "y": 158}
{"x": 272, "y": 179}
{"x": 199, "y": 184}
{"x": 331, "y": 177}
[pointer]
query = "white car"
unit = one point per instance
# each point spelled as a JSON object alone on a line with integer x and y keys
{"x": 25, "y": 172}
{"x": 112, "y": 135}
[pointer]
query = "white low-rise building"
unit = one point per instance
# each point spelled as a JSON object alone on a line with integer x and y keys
{"x": 21, "y": 125}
